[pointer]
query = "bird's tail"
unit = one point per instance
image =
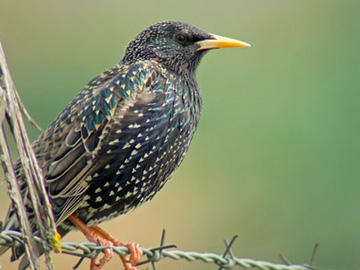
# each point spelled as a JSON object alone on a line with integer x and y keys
{"x": 10, "y": 224}
{"x": 18, "y": 249}
{"x": 3, "y": 249}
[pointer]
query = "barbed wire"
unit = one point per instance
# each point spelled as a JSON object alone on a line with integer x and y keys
{"x": 226, "y": 261}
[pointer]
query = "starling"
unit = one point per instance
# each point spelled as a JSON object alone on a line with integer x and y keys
{"x": 119, "y": 141}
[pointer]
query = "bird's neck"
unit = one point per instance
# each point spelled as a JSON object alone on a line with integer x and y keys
{"x": 190, "y": 91}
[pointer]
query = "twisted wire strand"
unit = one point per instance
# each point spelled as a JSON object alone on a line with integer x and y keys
{"x": 91, "y": 250}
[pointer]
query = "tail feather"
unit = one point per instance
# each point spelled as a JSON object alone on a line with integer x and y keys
{"x": 24, "y": 263}
{"x": 18, "y": 250}
{"x": 10, "y": 224}
{"x": 3, "y": 249}
{"x": 10, "y": 221}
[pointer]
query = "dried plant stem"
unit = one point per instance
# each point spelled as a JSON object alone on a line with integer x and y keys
{"x": 12, "y": 111}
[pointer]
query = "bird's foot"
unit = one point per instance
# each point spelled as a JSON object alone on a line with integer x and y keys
{"x": 134, "y": 258}
{"x": 93, "y": 236}
{"x": 108, "y": 254}
{"x": 97, "y": 235}
{"x": 129, "y": 261}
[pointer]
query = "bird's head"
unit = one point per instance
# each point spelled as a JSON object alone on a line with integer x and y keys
{"x": 176, "y": 45}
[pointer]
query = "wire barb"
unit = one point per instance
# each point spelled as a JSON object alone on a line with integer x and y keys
{"x": 228, "y": 252}
{"x": 157, "y": 252}
{"x": 313, "y": 255}
{"x": 284, "y": 259}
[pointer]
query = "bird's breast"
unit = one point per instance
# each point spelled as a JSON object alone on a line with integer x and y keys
{"x": 146, "y": 142}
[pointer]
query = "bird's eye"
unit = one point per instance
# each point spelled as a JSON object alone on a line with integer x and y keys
{"x": 181, "y": 38}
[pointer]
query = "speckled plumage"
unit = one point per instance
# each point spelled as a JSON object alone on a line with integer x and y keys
{"x": 133, "y": 152}
{"x": 119, "y": 141}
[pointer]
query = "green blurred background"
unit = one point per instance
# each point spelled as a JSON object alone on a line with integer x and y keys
{"x": 276, "y": 156}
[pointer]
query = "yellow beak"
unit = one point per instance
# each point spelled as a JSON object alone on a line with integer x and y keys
{"x": 217, "y": 42}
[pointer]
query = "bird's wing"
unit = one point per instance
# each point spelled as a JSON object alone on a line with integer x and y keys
{"x": 67, "y": 149}
{"x": 69, "y": 174}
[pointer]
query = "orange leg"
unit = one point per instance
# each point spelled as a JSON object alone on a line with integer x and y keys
{"x": 95, "y": 234}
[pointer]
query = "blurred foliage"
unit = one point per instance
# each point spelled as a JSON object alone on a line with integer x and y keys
{"x": 276, "y": 156}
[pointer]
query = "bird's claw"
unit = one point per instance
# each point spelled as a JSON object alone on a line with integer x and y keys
{"x": 133, "y": 258}
{"x": 108, "y": 254}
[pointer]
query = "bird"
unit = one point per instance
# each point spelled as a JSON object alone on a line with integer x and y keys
{"x": 117, "y": 143}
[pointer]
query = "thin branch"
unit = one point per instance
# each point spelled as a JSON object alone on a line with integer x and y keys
{"x": 13, "y": 185}
{"x": 26, "y": 113}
